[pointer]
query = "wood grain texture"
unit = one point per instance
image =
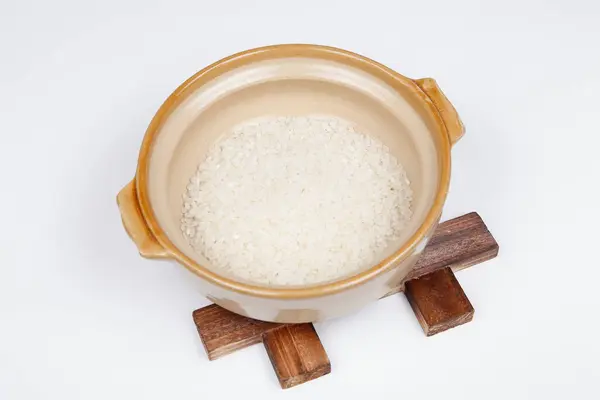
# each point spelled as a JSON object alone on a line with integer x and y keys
{"x": 223, "y": 332}
{"x": 458, "y": 243}
{"x": 296, "y": 354}
{"x": 439, "y": 301}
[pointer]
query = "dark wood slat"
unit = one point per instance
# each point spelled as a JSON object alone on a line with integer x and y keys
{"x": 457, "y": 243}
{"x": 439, "y": 301}
{"x": 297, "y": 354}
{"x": 223, "y": 332}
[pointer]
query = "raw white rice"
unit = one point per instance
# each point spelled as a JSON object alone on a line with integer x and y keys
{"x": 295, "y": 201}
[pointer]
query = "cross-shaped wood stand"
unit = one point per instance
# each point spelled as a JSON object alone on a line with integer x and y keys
{"x": 431, "y": 288}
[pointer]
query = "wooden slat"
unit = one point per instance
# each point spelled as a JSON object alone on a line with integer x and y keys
{"x": 297, "y": 354}
{"x": 223, "y": 332}
{"x": 439, "y": 301}
{"x": 457, "y": 243}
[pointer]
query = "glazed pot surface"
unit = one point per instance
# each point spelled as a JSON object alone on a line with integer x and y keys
{"x": 413, "y": 118}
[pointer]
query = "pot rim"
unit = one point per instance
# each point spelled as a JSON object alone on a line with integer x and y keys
{"x": 223, "y": 65}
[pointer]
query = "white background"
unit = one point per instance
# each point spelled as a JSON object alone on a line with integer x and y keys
{"x": 82, "y": 316}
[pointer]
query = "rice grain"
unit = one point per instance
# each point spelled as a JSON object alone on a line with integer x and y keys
{"x": 295, "y": 201}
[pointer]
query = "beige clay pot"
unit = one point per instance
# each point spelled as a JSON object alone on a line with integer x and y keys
{"x": 413, "y": 117}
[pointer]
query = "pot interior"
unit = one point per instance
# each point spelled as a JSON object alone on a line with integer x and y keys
{"x": 289, "y": 86}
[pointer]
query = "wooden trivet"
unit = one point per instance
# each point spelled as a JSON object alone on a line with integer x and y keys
{"x": 431, "y": 288}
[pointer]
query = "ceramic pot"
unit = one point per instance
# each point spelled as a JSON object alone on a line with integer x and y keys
{"x": 412, "y": 117}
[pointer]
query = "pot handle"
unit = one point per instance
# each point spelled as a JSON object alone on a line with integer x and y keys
{"x": 135, "y": 225}
{"x": 454, "y": 125}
